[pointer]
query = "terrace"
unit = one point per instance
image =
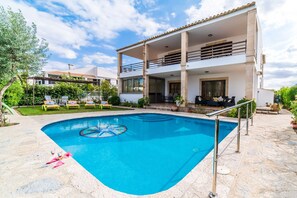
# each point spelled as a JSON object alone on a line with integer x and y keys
{"x": 218, "y": 51}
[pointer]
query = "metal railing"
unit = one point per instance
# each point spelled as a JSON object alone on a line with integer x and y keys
{"x": 228, "y": 49}
{"x": 132, "y": 67}
{"x": 161, "y": 62}
{"x": 213, "y": 193}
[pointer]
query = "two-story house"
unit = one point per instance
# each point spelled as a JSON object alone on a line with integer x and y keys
{"x": 217, "y": 56}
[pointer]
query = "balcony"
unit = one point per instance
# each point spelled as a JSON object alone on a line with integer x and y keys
{"x": 213, "y": 55}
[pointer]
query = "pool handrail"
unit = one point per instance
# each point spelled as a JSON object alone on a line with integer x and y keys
{"x": 213, "y": 193}
{"x": 218, "y": 112}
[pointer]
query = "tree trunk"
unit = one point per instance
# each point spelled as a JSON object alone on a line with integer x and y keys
{"x": 2, "y": 91}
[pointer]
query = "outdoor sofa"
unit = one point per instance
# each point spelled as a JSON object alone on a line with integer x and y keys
{"x": 219, "y": 101}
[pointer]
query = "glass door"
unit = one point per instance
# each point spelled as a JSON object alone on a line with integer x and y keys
{"x": 156, "y": 90}
{"x": 213, "y": 88}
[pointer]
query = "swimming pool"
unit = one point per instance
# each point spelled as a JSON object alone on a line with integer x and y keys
{"x": 143, "y": 154}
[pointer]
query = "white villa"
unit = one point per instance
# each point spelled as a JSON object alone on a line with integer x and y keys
{"x": 94, "y": 74}
{"x": 217, "y": 56}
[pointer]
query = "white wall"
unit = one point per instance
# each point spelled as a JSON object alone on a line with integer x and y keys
{"x": 264, "y": 96}
{"x": 130, "y": 97}
{"x": 236, "y": 84}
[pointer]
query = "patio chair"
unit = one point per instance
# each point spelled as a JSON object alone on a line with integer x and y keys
{"x": 64, "y": 100}
{"x": 104, "y": 104}
{"x": 47, "y": 98}
{"x": 48, "y": 104}
{"x": 72, "y": 104}
{"x": 90, "y": 104}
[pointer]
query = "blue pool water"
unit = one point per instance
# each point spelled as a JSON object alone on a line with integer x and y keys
{"x": 152, "y": 154}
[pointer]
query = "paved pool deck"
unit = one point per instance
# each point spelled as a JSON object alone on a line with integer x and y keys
{"x": 265, "y": 167}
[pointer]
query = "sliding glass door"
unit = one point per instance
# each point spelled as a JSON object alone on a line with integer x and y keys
{"x": 213, "y": 88}
{"x": 156, "y": 90}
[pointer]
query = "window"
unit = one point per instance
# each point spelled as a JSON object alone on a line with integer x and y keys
{"x": 213, "y": 88}
{"x": 217, "y": 50}
{"x": 133, "y": 85}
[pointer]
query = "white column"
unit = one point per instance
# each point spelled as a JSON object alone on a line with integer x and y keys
{"x": 250, "y": 54}
{"x": 183, "y": 64}
{"x": 145, "y": 67}
{"x": 120, "y": 64}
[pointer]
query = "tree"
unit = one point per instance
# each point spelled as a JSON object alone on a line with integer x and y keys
{"x": 107, "y": 90}
{"x": 21, "y": 52}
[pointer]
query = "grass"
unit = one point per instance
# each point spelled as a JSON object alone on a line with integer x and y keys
{"x": 29, "y": 111}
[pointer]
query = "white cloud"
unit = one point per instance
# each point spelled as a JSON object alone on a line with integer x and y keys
{"x": 107, "y": 46}
{"x": 55, "y": 65}
{"x": 63, "y": 37}
{"x": 173, "y": 14}
{"x": 89, "y": 19}
{"x": 105, "y": 19}
{"x": 278, "y": 30}
{"x": 99, "y": 58}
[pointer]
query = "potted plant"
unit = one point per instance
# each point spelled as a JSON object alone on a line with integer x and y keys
{"x": 179, "y": 100}
{"x": 294, "y": 112}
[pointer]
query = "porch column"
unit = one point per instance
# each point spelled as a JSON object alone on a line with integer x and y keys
{"x": 145, "y": 66}
{"x": 120, "y": 64}
{"x": 250, "y": 53}
{"x": 183, "y": 64}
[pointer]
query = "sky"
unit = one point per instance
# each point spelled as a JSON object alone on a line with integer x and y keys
{"x": 88, "y": 32}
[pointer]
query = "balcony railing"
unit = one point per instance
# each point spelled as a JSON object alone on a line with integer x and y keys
{"x": 216, "y": 51}
{"x": 163, "y": 62}
{"x": 132, "y": 67}
{"x": 209, "y": 52}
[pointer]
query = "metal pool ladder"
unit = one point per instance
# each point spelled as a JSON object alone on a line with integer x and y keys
{"x": 213, "y": 193}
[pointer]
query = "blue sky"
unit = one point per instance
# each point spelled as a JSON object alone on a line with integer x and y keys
{"x": 87, "y": 32}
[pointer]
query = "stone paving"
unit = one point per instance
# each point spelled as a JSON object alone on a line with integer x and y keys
{"x": 265, "y": 167}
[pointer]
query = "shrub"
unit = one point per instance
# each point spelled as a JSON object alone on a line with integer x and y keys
{"x": 14, "y": 94}
{"x": 232, "y": 113}
{"x": 114, "y": 100}
{"x": 294, "y": 110}
{"x": 143, "y": 102}
{"x": 243, "y": 108}
{"x": 129, "y": 104}
{"x": 287, "y": 94}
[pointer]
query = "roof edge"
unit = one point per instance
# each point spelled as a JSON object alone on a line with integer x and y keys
{"x": 192, "y": 24}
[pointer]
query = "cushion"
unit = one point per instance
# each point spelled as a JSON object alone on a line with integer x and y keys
{"x": 50, "y": 102}
{"x": 199, "y": 98}
{"x": 90, "y": 102}
{"x": 104, "y": 102}
{"x": 72, "y": 102}
{"x": 215, "y": 99}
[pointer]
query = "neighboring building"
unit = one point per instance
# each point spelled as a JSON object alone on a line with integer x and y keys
{"x": 94, "y": 74}
{"x": 217, "y": 56}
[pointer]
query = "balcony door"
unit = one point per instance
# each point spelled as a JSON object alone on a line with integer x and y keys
{"x": 213, "y": 88}
{"x": 156, "y": 90}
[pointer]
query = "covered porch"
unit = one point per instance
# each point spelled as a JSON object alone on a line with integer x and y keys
{"x": 207, "y": 83}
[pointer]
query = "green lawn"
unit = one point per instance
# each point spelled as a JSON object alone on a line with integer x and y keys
{"x": 28, "y": 111}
